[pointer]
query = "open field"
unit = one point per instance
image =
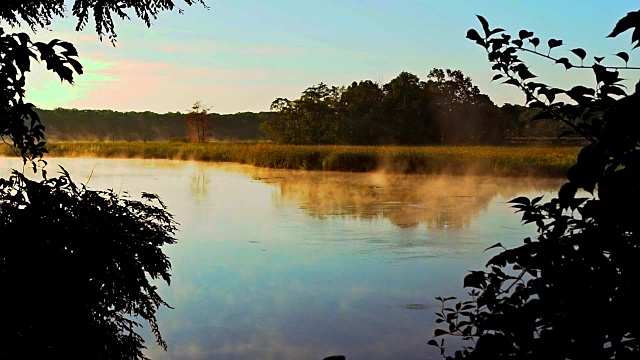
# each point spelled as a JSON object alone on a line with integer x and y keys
{"x": 541, "y": 161}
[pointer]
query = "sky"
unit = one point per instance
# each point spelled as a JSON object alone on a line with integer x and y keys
{"x": 240, "y": 55}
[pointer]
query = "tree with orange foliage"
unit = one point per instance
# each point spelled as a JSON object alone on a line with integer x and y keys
{"x": 199, "y": 122}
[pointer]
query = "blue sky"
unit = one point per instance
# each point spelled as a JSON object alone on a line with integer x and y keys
{"x": 240, "y": 55}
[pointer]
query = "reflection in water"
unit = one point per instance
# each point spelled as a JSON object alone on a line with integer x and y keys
{"x": 439, "y": 202}
{"x": 199, "y": 183}
{"x": 274, "y": 264}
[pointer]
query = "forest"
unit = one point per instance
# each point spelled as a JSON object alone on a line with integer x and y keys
{"x": 109, "y": 125}
{"x": 445, "y": 109}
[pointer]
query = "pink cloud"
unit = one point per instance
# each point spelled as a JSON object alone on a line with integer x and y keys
{"x": 161, "y": 87}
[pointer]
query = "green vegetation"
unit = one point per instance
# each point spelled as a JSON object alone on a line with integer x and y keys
{"x": 513, "y": 124}
{"x": 489, "y": 160}
{"x": 445, "y": 109}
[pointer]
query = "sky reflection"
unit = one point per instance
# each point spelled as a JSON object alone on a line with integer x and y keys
{"x": 302, "y": 265}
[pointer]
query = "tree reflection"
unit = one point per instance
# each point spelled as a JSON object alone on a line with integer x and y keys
{"x": 199, "y": 183}
{"x": 407, "y": 201}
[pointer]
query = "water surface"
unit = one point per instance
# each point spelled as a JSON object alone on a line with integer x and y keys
{"x": 281, "y": 264}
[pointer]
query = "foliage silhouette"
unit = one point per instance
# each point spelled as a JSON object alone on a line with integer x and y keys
{"x": 39, "y": 13}
{"x": 447, "y": 108}
{"x": 18, "y": 120}
{"x": 76, "y": 264}
{"x": 77, "y": 282}
{"x": 570, "y": 293}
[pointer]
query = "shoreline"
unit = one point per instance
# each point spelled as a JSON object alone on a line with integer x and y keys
{"x": 509, "y": 161}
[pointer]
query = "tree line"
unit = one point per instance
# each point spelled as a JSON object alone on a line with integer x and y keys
{"x": 109, "y": 125}
{"x": 445, "y": 109}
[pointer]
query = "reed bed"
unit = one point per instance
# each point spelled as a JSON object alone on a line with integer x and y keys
{"x": 540, "y": 161}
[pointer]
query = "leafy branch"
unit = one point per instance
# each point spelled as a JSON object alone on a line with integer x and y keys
{"x": 565, "y": 293}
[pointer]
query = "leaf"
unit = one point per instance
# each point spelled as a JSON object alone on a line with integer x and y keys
{"x": 581, "y": 94}
{"x": 564, "y": 61}
{"x": 432, "y": 342}
{"x": 550, "y": 93}
{"x": 580, "y": 53}
{"x": 76, "y": 65}
{"x": 523, "y": 34}
{"x": 636, "y": 37}
{"x": 566, "y": 193}
{"x": 475, "y": 280}
{"x": 613, "y": 90}
{"x": 497, "y": 76}
{"x": 472, "y": 34}
{"x": 535, "y": 42}
{"x": 604, "y": 75}
{"x": 624, "y": 56}
{"x": 598, "y": 59}
{"x": 554, "y": 43}
{"x": 64, "y": 73}
{"x": 494, "y": 246}
{"x": 517, "y": 42}
{"x": 631, "y": 20}
{"x": 525, "y": 74}
{"x": 599, "y": 71}
{"x": 166, "y": 277}
{"x": 536, "y": 200}
{"x": 520, "y": 200}
{"x": 485, "y": 26}
{"x": 439, "y": 332}
{"x": 498, "y": 66}
{"x": 495, "y": 31}
{"x": 581, "y": 90}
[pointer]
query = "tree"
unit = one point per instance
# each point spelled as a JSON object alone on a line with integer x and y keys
{"x": 404, "y": 106}
{"x": 361, "y": 105}
{"x": 314, "y": 118}
{"x": 284, "y": 127}
{"x": 406, "y": 111}
{"x": 199, "y": 121}
{"x": 570, "y": 293}
{"x": 318, "y": 114}
{"x": 458, "y": 112}
{"x": 76, "y": 264}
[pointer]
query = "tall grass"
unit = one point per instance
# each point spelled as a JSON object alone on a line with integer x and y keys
{"x": 483, "y": 160}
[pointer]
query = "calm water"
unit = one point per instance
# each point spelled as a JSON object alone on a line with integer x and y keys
{"x": 303, "y": 265}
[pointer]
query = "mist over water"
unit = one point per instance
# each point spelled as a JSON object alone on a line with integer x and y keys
{"x": 280, "y": 264}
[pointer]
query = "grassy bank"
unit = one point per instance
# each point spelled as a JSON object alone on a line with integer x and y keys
{"x": 485, "y": 160}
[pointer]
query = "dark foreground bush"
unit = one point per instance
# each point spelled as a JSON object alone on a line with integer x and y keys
{"x": 572, "y": 291}
{"x": 75, "y": 269}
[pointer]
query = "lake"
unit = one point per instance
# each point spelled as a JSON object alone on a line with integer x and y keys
{"x": 281, "y": 264}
